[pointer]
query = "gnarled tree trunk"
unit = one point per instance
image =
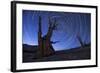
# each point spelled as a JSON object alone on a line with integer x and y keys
{"x": 45, "y": 47}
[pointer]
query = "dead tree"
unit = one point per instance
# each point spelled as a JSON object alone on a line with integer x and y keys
{"x": 45, "y": 47}
{"x": 80, "y": 40}
{"x": 40, "y": 50}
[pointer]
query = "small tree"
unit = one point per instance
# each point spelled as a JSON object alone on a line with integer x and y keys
{"x": 80, "y": 40}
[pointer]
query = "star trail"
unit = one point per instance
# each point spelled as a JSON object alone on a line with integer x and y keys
{"x": 70, "y": 25}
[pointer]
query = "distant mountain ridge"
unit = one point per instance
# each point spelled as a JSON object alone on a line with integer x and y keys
{"x": 86, "y": 46}
{"x": 30, "y": 48}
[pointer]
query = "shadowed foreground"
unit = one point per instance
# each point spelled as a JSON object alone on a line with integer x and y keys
{"x": 80, "y": 53}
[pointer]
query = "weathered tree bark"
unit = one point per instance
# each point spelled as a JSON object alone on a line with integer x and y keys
{"x": 45, "y": 47}
{"x": 40, "y": 50}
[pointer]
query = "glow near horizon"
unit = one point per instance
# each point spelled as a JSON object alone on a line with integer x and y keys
{"x": 69, "y": 25}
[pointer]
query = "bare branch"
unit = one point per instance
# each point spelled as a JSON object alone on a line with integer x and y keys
{"x": 50, "y": 23}
{"x": 55, "y": 25}
{"x": 54, "y": 42}
{"x": 39, "y": 23}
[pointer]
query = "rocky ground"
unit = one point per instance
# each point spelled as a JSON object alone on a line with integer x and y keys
{"x": 80, "y": 53}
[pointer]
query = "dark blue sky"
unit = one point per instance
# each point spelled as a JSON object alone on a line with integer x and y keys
{"x": 69, "y": 25}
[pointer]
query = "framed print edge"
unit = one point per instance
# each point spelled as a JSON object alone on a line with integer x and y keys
{"x": 13, "y": 36}
{"x": 96, "y": 36}
{"x": 14, "y": 39}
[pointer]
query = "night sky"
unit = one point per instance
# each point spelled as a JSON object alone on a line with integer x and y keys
{"x": 70, "y": 25}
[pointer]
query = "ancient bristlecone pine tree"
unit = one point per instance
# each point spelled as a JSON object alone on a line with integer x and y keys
{"x": 45, "y": 47}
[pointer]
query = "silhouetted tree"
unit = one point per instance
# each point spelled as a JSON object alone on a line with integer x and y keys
{"x": 80, "y": 40}
{"x": 45, "y": 47}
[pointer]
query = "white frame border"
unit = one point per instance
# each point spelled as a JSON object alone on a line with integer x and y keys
{"x": 37, "y": 65}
